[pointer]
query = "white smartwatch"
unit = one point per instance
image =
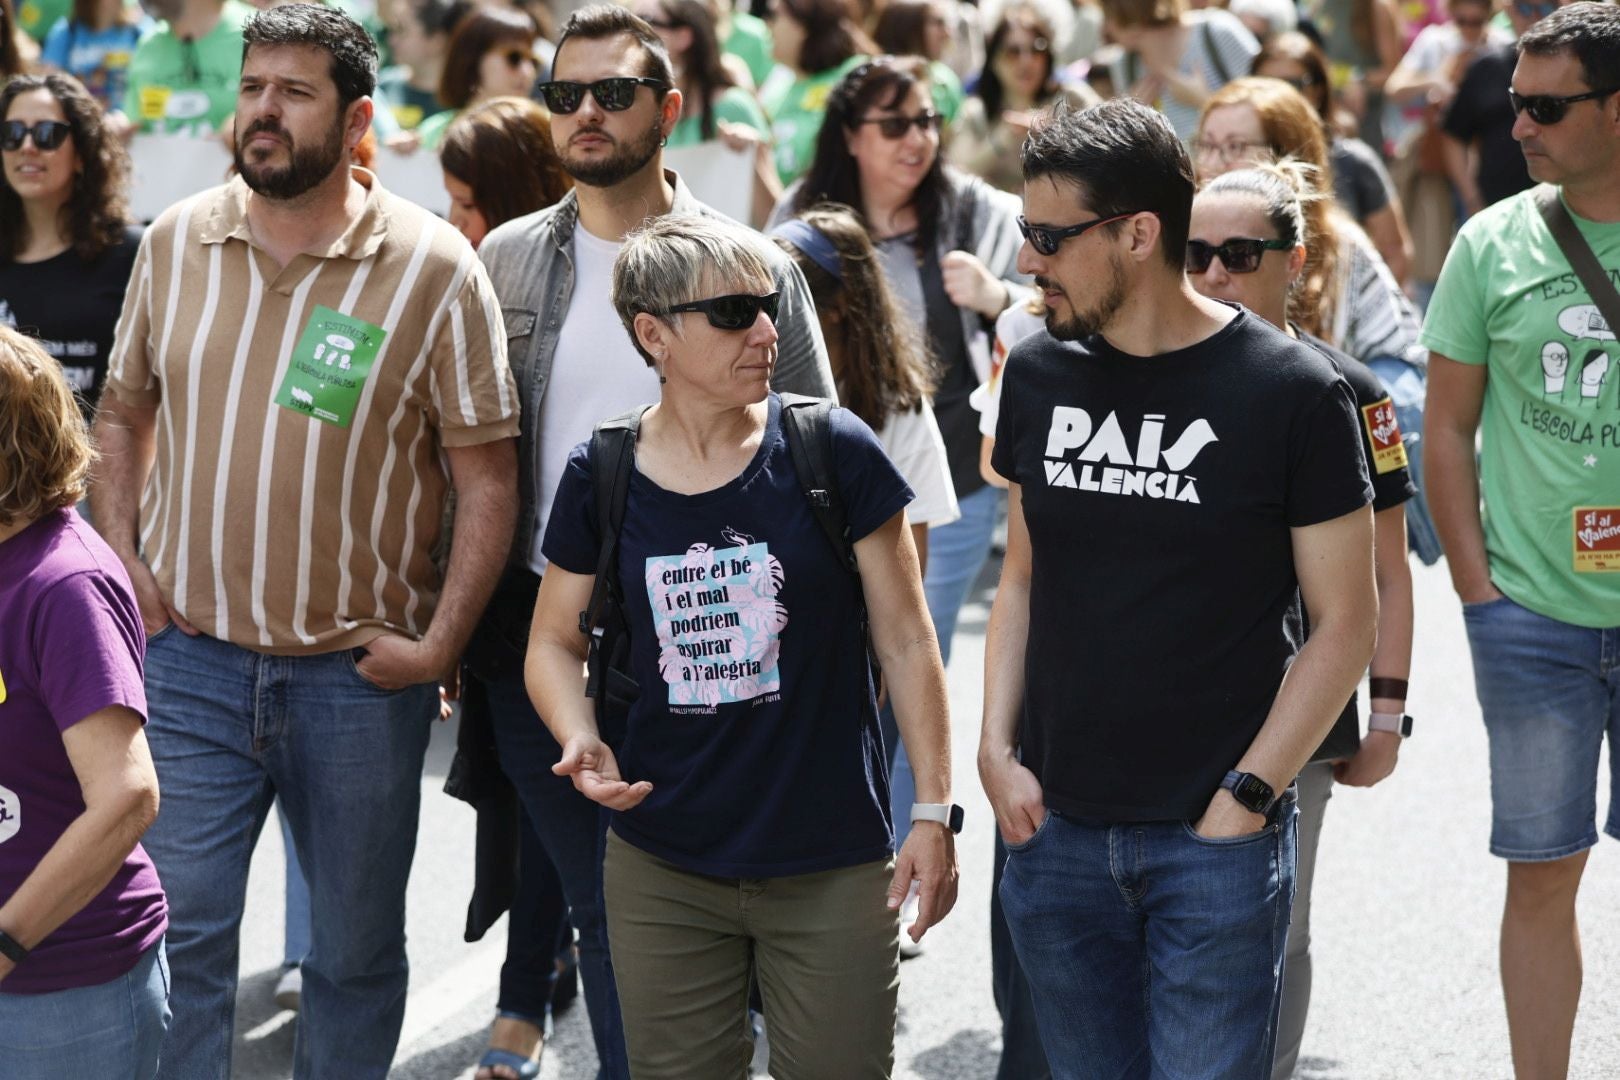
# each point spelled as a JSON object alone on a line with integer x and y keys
{"x": 1399, "y": 723}
{"x": 947, "y": 814}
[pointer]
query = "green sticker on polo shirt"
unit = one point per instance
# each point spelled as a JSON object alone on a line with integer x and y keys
{"x": 329, "y": 366}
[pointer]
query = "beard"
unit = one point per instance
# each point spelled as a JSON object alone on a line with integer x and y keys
{"x": 624, "y": 162}
{"x": 309, "y": 165}
{"x": 1083, "y": 324}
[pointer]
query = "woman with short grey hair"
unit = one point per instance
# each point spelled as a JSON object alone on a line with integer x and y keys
{"x": 751, "y": 829}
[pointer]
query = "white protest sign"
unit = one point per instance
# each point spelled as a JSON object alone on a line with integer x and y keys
{"x": 169, "y": 168}
{"x": 719, "y": 176}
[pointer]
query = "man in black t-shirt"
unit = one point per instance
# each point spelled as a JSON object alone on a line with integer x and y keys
{"x": 1479, "y": 122}
{"x": 1181, "y": 474}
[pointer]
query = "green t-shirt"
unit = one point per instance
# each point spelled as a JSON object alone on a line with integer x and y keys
{"x": 433, "y": 128}
{"x": 947, "y": 91}
{"x": 36, "y": 17}
{"x": 735, "y": 105}
{"x": 750, "y": 41}
{"x": 796, "y": 108}
{"x": 179, "y": 87}
{"x": 1550, "y": 460}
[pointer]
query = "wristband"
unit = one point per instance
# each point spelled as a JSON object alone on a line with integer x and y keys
{"x": 12, "y": 949}
{"x": 1380, "y": 687}
{"x": 1396, "y": 723}
{"x": 946, "y": 814}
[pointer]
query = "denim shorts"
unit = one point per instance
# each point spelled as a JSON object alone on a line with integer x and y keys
{"x": 1549, "y": 691}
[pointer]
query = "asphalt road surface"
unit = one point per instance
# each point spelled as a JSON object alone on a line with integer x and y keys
{"x": 1406, "y": 914}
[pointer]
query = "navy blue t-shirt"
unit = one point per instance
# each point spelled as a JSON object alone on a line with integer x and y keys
{"x": 756, "y": 723}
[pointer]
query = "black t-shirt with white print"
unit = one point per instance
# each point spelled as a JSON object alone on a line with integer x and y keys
{"x": 1159, "y": 493}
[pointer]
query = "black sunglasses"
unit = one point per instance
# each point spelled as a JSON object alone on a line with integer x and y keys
{"x": 1240, "y": 255}
{"x": 48, "y": 134}
{"x": 895, "y": 127}
{"x": 735, "y": 312}
{"x": 1046, "y": 239}
{"x": 516, "y": 57}
{"x": 1017, "y": 51}
{"x": 1546, "y": 109}
{"x": 615, "y": 94}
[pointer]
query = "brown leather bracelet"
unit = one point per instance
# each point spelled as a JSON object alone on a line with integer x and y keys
{"x": 1380, "y": 687}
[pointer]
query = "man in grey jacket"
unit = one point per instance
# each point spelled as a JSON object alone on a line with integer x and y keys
{"x": 613, "y": 103}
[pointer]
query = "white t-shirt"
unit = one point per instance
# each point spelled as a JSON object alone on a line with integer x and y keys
{"x": 1012, "y": 326}
{"x": 595, "y": 374}
{"x": 913, "y": 442}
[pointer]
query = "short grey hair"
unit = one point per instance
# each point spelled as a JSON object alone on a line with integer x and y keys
{"x": 677, "y": 258}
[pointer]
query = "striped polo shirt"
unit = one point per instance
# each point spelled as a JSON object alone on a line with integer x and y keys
{"x": 302, "y": 412}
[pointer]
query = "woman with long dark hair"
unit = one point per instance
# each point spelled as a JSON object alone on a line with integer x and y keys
{"x": 713, "y": 105}
{"x": 491, "y": 55}
{"x": 66, "y": 243}
{"x": 1019, "y": 80}
{"x": 94, "y": 43}
{"x": 816, "y": 42}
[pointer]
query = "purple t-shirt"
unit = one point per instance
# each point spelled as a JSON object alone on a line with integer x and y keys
{"x": 71, "y": 644}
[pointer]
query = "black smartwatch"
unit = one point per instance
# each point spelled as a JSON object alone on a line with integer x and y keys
{"x": 12, "y": 949}
{"x": 1251, "y": 792}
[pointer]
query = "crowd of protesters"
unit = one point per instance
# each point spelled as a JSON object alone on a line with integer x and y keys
{"x": 299, "y": 467}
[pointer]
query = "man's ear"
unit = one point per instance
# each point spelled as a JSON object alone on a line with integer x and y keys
{"x": 1146, "y": 231}
{"x": 670, "y": 111}
{"x": 359, "y": 118}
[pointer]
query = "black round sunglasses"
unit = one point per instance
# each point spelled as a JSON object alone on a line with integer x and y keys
{"x": 737, "y": 311}
{"x": 48, "y": 134}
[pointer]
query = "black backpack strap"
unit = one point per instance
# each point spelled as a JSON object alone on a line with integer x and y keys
{"x": 807, "y": 427}
{"x": 613, "y": 459}
{"x": 1581, "y": 260}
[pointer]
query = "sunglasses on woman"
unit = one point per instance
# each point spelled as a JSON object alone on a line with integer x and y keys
{"x": 516, "y": 58}
{"x": 738, "y": 311}
{"x": 48, "y": 134}
{"x": 1017, "y": 51}
{"x": 615, "y": 95}
{"x": 1240, "y": 255}
{"x": 1545, "y": 109}
{"x": 1046, "y": 239}
{"x": 895, "y": 127}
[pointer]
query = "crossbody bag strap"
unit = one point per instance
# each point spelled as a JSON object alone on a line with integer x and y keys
{"x": 1580, "y": 256}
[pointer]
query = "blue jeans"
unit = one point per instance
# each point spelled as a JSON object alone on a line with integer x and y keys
{"x": 295, "y": 936}
{"x": 110, "y": 1030}
{"x": 231, "y": 730}
{"x": 1408, "y": 389}
{"x": 1549, "y": 692}
{"x": 573, "y": 831}
{"x": 1150, "y": 951}
{"x": 1022, "y": 1056}
{"x": 956, "y": 554}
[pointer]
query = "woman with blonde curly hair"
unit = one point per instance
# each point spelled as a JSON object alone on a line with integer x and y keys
{"x": 83, "y": 979}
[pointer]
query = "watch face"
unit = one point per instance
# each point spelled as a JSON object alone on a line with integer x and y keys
{"x": 956, "y": 818}
{"x": 1252, "y": 792}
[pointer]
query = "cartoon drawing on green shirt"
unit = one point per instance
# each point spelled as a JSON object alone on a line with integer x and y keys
{"x": 1554, "y": 366}
{"x": 1594, "y": 370}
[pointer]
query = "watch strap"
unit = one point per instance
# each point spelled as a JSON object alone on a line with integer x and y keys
{"x": 12, "y": 949}
{"x": 1234, "y": 779}
{"x": 947, "y": 814}
{"x": 1398, "y": 723}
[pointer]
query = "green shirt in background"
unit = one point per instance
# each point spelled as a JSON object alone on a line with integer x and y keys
{"x": 750, "y": 41}
{"x": 1550, "y": 455}
{"x": 187, "y": 87}
{"x": 796, "y": 107}
{"x": 734, "y": 105}
{"x": 36, "y": 17}
{"x": 947, "y": 91}
{"x": 433, "y": 128}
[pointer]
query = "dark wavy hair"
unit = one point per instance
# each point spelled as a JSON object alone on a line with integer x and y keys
{"x": 503, "y": 151}
{"x": 97, "y": 210}
{"x": 884, "y": 365}
{"x": 902, "y": 27}
{"x": 835, "y": 176}
{"x": 1017, "y": 17}
{"x": 350, "y": 46}
{"x": 831, "y": 36}
{"x": 479, "y": 31}
{"x": 10, "y": 57}
{"x": 701, "y": 65}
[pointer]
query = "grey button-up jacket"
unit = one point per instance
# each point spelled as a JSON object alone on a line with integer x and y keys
{"x": 531, "y": 263}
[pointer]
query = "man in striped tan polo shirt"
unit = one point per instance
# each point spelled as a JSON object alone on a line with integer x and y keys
{"x": 300, "y": 359}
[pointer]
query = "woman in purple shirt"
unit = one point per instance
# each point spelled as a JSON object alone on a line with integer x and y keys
{"x": 83, "y": 980}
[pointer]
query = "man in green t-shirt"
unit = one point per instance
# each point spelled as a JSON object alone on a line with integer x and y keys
{"x": 1521, "y": 349}
{"x": 183, "y": 76}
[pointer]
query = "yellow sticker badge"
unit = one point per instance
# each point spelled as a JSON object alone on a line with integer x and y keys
{"x": 1597, "y": 539}
{"x": 2, "y": 688}
{"x": 1384, "y": 436}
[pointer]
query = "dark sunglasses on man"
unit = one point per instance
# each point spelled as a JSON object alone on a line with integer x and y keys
{"x": 1046, "y": 239}
{"x": 47, "y": 134}
{"x": 1546, "y": 109}
{"x": 614, "y": 95}
{"x": 895, "y": 127}
{"x": 738, "y": 311}
{"x": 1240, "y": 254}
